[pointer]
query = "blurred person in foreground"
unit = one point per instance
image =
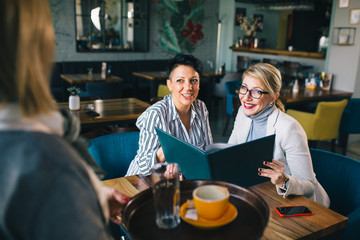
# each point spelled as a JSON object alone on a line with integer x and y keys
{"x": 262, "y": 114}
{"x": 180, "y": 113}
{"x": 48, "y": 190}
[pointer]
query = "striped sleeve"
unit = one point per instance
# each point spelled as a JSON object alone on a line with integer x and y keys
{"x": 148, "y": 144}
{"x": 201, "y": 125}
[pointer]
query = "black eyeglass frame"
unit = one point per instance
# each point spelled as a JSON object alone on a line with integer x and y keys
{"x": 251, "y": 91}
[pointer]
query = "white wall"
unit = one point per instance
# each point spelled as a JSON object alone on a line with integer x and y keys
{"x": 227, "y": 16}
{"x": 344, "y": 61}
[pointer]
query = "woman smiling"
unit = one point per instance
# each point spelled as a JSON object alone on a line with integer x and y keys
{"x": 180, "y": 114}
{"x": 262, "y": 114}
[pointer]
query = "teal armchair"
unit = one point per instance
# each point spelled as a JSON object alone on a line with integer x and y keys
{"x": 114, "y": 152}
{"x": 340, "y": 177}
{"x": 349, "y": 122}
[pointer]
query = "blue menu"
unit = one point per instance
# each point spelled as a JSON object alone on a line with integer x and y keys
{"x": 236, "y": 164}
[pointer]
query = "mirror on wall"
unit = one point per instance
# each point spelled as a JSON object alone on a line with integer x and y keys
{"x": 111, "y": 25}
{"x": 301, "y": 24}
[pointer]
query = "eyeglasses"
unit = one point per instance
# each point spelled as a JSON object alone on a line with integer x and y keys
{"x": 254, "y": 93}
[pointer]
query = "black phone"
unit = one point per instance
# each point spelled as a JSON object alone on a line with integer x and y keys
{"x": 92, "y": 113}
{"x": 289, "y": 211}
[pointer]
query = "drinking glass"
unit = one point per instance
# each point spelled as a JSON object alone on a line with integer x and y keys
{"x": 166, "y": 193}
{"x": 90, "y": 73}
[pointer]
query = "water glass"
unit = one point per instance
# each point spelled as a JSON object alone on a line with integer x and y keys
{"x": 166, "y": 193}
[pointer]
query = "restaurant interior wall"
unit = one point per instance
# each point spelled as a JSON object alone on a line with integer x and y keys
{"x": 306, "y": 28}
{"x": 344, "y": 61}
{"x": 227, "y": 16}
{"x": 270, "y": 24}
{"x": 309, "y": 26}
{"x": 64, "y": 24}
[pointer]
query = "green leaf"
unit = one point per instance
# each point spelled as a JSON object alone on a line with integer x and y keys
{"x": 170, "y": 4}
{"x": 165, "y": 43}
{"x": 170, "y": 33}
{"x": 194, "y": 14}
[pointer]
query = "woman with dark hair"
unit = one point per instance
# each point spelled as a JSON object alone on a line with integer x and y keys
{"x": 180, "y": 114}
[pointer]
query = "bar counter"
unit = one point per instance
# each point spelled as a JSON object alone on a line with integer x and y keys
{"x": 316, "y": 55}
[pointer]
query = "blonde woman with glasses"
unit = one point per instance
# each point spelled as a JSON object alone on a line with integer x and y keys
{"x": 262, "y": 114}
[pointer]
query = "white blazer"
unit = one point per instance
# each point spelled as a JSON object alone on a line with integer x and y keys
{"x": 291, "y": 148}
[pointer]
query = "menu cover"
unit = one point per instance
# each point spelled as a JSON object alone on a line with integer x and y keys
{"x": 236, "y": 164}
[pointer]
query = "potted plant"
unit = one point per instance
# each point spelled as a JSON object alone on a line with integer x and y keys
{"x": 74, "y": 99}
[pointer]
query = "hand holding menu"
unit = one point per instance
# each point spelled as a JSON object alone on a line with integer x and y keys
{"x": 236, "y": 164}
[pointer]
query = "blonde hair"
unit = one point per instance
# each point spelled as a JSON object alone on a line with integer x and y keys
{"x": 26, "y": 55}
{"x": 270, "y": 77}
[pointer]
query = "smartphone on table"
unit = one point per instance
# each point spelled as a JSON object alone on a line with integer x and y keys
{"x": 290, "y": 211}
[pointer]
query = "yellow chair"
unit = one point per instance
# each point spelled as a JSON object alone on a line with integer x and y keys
{"x": 163, "y": 90}
{"x": 323, "y": 124}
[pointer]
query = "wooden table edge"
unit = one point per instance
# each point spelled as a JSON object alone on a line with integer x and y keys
{"x": 111, "y": 79}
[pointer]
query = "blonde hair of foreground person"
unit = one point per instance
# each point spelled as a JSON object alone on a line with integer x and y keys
{"x": 27, "y": 51}
{"x": 270, "y": 77}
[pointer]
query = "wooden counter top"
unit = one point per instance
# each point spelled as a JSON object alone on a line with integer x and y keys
{"x": 315, "y": 55}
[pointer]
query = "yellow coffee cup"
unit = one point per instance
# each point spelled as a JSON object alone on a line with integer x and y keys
{"x": 211, "y": 201}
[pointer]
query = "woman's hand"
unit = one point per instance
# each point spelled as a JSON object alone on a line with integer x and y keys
{"x": 171, "y": 170}
{"x": 275, "y": 172}
{"x": 116, "y": 202}
{"x": 160, "y": 157}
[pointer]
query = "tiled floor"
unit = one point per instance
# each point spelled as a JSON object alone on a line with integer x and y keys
{"x": 217, "y": 123}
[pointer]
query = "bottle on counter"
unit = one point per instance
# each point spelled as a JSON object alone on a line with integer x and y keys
{"x": 222, "y": 69}
{"x": 241, "y": 44}
{"x": 108, "y": 73}
{"x": 296, "y": 86}
{"x": 237, "y": 43}
{"x": 256, "y": 43}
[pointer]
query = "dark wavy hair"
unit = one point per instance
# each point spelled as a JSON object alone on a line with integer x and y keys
{"x": 184, "y": 59}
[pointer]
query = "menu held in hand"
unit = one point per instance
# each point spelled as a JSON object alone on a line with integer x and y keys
{"x": 236, "y": 164}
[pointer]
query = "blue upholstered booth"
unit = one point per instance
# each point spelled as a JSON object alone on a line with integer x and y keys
{"x": 114, "y": 152}
{"x": 340, "y": 177}
{"x": 104, "y": 90}
{"x": 349, "y": 122}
